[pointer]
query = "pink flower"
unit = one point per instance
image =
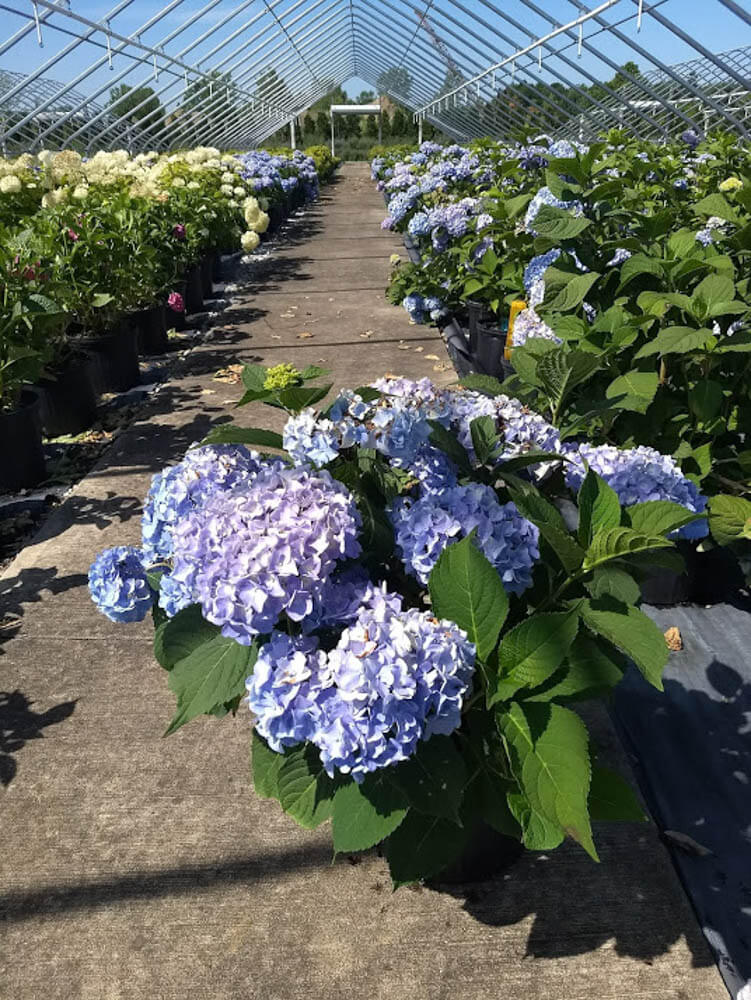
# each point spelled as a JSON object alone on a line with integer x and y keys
{"x": 73, "y": 234}
{"x": 175, "y": 302}
{"x": 178, "y": 231}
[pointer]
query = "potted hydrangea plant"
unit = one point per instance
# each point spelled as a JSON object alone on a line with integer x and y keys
{"x": 396, "y": 599}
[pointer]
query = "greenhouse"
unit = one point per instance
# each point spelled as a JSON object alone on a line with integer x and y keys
{"x": 375, "y": 499}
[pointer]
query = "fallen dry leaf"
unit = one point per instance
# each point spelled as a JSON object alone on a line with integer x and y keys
{"x": 208, "y": 392}
{"x": 674, "y": 639}
{"x": 305, "y": 335}
{"x": 276, "y": 336}
{"x": 419, "y": 350}
{"x": 402, "y": 347}
{"x": 231, "y": 374}
{"x": 432, "y": 357}
{"x": 441, "y": 368}
{"x": 686, "y": 843}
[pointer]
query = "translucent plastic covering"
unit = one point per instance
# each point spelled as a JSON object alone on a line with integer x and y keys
{"x": 230, "y": 74}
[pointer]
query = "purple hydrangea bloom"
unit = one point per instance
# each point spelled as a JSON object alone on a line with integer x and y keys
{"x": 423, "y": 528}
{"x": 691, "y": 138}
{"x": 180, "y": 489}
{"x": 637, "y": 475}
{"x": 394, "y": 678}
{"x": 118, "y": 584}
{"x": 535, "y": 270}
{"x": 265, "y": 549}
{"x": 528, "y": 325}
{"x": 620, "y": 256}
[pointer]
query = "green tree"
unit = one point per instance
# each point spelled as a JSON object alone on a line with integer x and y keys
{"x": 371, "y": 126}
{"x": 365, "y": 97}
{"x": 272, "y": 88}
{"x": 400, "y": 124}
{"x": 397, "y": 81}
{"x": 138, "y": 105}
{"x": 323, "y": 124}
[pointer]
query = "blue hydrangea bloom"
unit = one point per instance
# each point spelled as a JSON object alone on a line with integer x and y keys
{"x": 266, "y": 549}
{"x": 118, "y": 584}
{"x": 308, "y": 439}
{"x": 637, "y": 475}
{"x": 535, "y": 270}
{"x": 423, "y": 528}
{"x": 546, "y": 197}
{"x": 394, "y": 678}
{"x": 179, "y": 489}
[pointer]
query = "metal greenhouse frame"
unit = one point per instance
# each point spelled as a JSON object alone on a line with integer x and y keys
{"x": 232, "y": 72}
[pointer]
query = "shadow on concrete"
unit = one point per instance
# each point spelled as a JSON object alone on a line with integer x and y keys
{"x": 19, "y": 905}
{"x": 27, "y": 587}
{"x": 577, "y": 906}
{"x": 20, "y": 723}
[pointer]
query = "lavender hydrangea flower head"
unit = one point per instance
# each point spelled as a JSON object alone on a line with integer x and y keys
{"x": 637, "y": 475}
{"x": 118, "y": 584}
{"x": 266, "y": 549}
{"x": 180, "y": 489}
{"x": 423, "y": 528}
{"x": 394, "y": 678}
{"x": 528, "y": 325}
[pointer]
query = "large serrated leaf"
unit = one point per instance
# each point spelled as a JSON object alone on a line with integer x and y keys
{"x": 179, "y": 636}
{"x": 265, "y": 764}
{"x": 599, "y": 507}
{"x": 611, "y": 798}
{"x": 538, "y": 833}
{"x": 422, "y": 846}
{"x": 549, "y": 753}
{"x": 533, "y": 650}
{"x": 558, "y": 224}
{"x": 364, "y": 815}
{"x": 305, "y": 790}
{"x": 676, "y": 340}
{"x": 433, "y": 778}
{"x": 659, "y": 517}
{"x": 465, "y": 588}
{"x": 619, "y": 543}
{"x": 633, "y": 391}
{"x": 562, "y": 370}
{"x": 572, "y": 294}
{"x": 589, "y": 672}
{"x": 729, "y": 518}
{"x": 550, "y": 523}
{"x": 232, "y": 434}
{"x": 631, "y": 631}
{"x": 213, "y": 674}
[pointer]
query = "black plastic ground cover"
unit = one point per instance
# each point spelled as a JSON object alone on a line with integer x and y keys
{"x": 691, "y": 750}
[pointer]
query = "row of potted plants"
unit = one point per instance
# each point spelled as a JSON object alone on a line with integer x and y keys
{"x": 100, "y": 257}
{"x": 621, "y": 269}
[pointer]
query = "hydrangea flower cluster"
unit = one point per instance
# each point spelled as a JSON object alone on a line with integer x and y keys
{"x": 394, "y": 678}
{"x": 118, "y": 584}
{"x": 252, "y": 554}
{"x": 423, "y": 528}
{"x": 546, "y": 197}
{"x": 637, "y": 475}
{"x": 180, "y": 489}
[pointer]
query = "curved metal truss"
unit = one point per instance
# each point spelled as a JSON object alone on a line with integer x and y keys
{"x": 232, "y": 72}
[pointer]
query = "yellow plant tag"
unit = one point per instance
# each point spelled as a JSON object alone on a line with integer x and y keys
{"x": 516, "y": 307}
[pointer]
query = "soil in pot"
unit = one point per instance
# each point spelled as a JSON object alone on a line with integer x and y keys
{"x": 115, "y": 359}
{"x": 68, "y": 398}
{"x": 487, "y": 853}
{"x": 21, "y": 453}
{"x": 151, "y": 325}
{"x": 194, "y": 290}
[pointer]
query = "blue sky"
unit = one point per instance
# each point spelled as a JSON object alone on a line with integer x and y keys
{"x": 714, "y": 25}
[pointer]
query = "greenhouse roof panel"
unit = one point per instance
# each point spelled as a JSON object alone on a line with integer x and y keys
{"x": 232, "y": 72}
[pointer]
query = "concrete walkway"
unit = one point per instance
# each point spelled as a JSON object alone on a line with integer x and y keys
{"x": 138, "y": 868}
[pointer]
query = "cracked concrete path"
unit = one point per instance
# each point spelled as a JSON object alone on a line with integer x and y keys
{"x": 140, "y": 868}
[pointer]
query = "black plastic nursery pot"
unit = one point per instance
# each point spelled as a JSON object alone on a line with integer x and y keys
{"x": 151, "y": 325}
{"x": 207, "y": 276}
{"x": 277, "y": 214}
{"x": 217, "y": 270}
{"x": 115, "y": 359}
{"x": 711, "y": 577}
{"x": 487, "y": 853}
{"x": 68, "y": 398}
{"x": 21, "y": 453}
{"x": 194, "y": 290}
{"x": 176, "y": 320}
